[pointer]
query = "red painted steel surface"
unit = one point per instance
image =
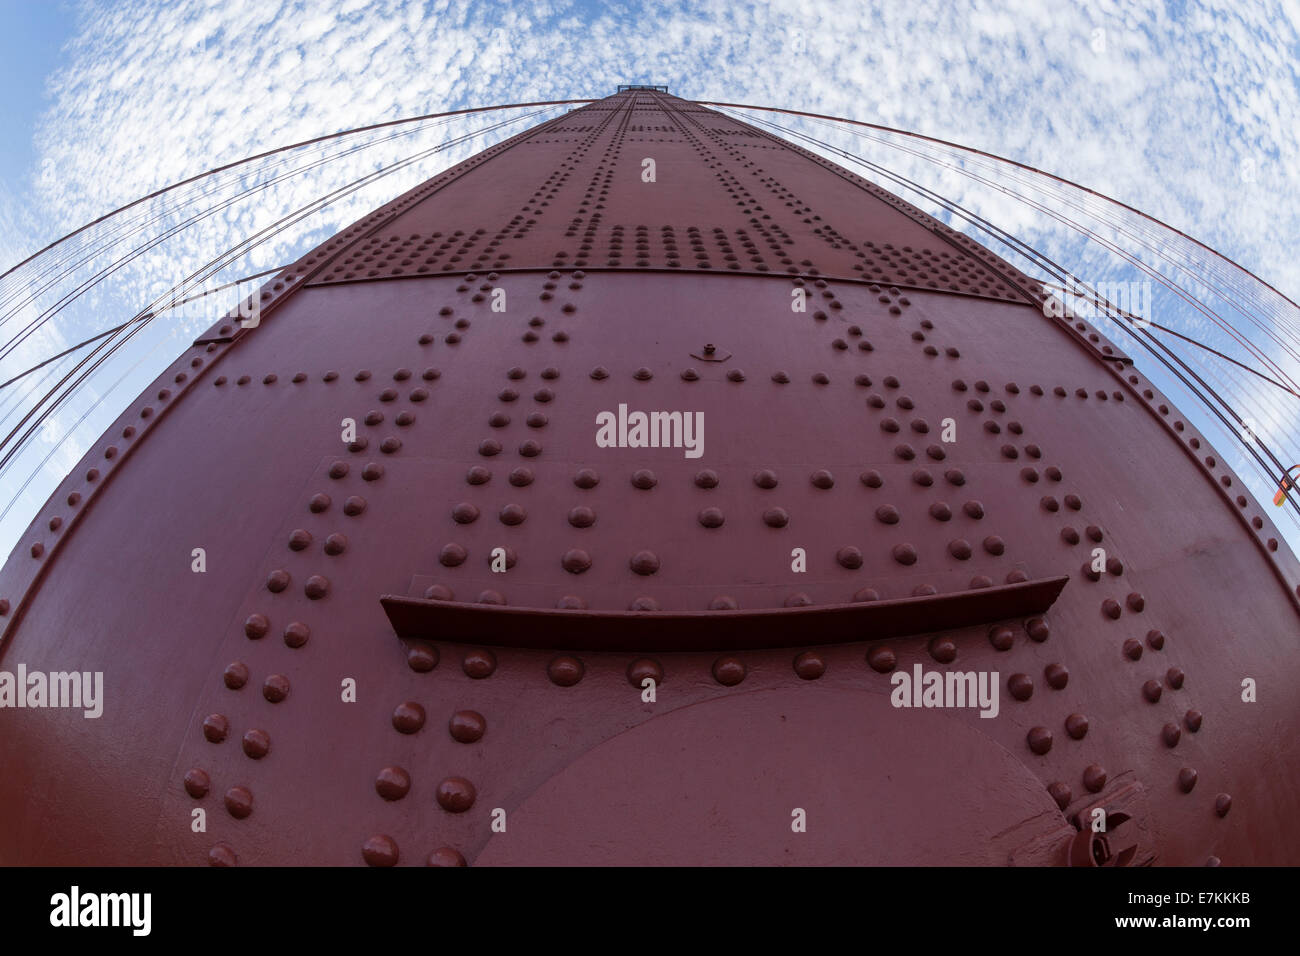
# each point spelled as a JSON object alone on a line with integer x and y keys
{"x": 823, "y": 431}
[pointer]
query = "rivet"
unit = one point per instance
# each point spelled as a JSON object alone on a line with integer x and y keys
{"x": 380, "y": 850}
{"x": 318, "y": 503}
{"x": 943, "y": 649}
{"x": 644, "y": 562}
{"x": 256, "y": 626}
{"x": 467, "y": 726}
{"x": 464, "y": 513}
{"x": 973, "y": 509}
{"x": 708, "y": 478}
{"x": 445, "y": 856}
{"x": 421, "y": 658}
{"x": 479, "y": 664}
{"x": 881, "y": 659}
{"x": 1001, "y": 637}
{"x": 960, "y": 549}
{"x": 354, "y": 505}
{"x": 530, "y": 449}
{"x": 905, "y": 554}
{"x": 1151, "y": 690}
{"x": 275, "y": 688}
{"x": 239, "y": 802}
{"x": 644, "y": 603}
{"x": 644, "y": 479}
{"x": 643, "y": 668}
{"x": 1192, "y": 719}
{"x": 1175, "y": 677}
{"x": 277, "y": 581}
{"x": 222, "y": 855}
{"x": 809, "y": 665}
{"x": 994, "y": 545}
{"x": 711, "y": 517}
{"x": 576, "y": 561}
{"x": 317, "y": 587}
{"x": 296, "y": 634}
{"x": 871, "y": 479}
{"x": 1039, "y": 740}
{"x": 1057, "y": 676}
{"x": 1021, "y": 686}
{"x": 1076, "y": 725}
{"x": 1171, "y": 733}
{"x": 1186, "y": 779}
{"x": 1094, "y": 778}
{"x": 1060, "y": 793}
{"x": 452, "y": 555}
{"x": 456, "y": 794}
{"x": 1222, "y": 804}
{"x": 197, "y": 783}
{"x": 849, "y": 557}
{"x": 1133, "y": 649}
{"x": 765, "y": 479}
{"x": 408, "y": 717}
{"x": 512, "y": 514}
{"x": 728, "y": 671}
{"x": 822, "y": 479}
{"x": 565, "y": 671}
{"x": 393, "y": 783}
{"x": 1110, "y": 607}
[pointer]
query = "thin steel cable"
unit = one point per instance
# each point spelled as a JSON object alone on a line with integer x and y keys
{"x": 215, "y": 266}
{"x": 1055, "y": 269}
{"x": 280, "y": 149}
{"x": 175, "y": 230}
{"x": 128, "y": 225}
{"x": 1091, "y": 234}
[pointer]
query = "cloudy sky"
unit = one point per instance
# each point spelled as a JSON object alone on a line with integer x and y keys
{"x": 1189, "y": 111}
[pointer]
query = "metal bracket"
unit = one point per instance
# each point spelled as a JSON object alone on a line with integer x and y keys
{"x": 1127, "y": 838}
{"x": 711, "y": 353}
{"x": 506, "y": 626}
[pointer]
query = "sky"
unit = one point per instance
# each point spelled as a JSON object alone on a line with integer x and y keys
{"x": 1189, "y": 111}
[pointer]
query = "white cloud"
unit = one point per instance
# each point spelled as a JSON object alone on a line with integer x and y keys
{"x": 1165, "y": 115}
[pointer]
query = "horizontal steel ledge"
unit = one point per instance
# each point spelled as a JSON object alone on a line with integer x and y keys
{"x": 562, "y": 629}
